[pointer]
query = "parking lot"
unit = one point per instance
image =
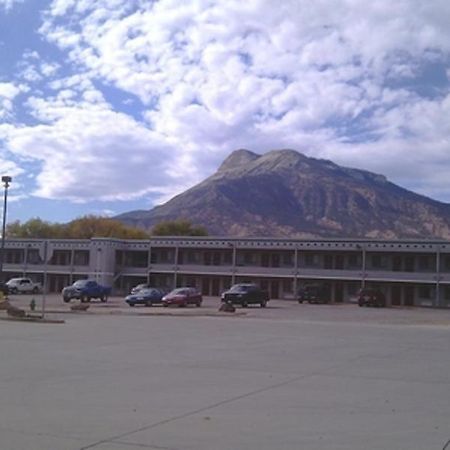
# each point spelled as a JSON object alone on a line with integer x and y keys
{"x": 288, "y": 376}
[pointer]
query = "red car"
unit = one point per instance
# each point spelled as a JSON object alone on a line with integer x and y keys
{"x": 182, "y": 297}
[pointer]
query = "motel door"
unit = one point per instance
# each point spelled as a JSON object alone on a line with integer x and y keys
{"x": 338, "y": 292}
{"x": 215, "y": 287}
{"x": 409, "y": 295}
{"x": 274, "y": 289}
{"x": 396, "y": 295}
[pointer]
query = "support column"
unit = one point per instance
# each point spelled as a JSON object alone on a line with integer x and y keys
{"x": 296, "y": 274}
{"x": 437, "y": 297}
{"x": 233, "y": 269}
{"x": 363, "y": 266}
{"x": 175, "y": 272}
{"x": 72, "y": 264}
{"x": 149, "y": 263}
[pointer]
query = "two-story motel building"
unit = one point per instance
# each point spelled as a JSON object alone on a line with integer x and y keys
{"x": 410, "y": 273}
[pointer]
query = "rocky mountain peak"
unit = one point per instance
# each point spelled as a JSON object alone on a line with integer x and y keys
{"x": 285, "y": 193}
{"x": 281, "y": 160}
{"x": 237, "y": 159}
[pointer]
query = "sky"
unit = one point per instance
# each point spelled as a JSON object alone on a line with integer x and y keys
{"x": 108, "y": 106}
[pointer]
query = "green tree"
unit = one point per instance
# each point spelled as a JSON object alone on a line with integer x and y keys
{"x": 179, "y": 227}
{"x": 93, "y": 226}
{"x": 35, "y": 228}
{"x": 82, "y": 228}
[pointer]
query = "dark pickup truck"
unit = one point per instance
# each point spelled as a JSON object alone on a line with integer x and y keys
{"x": 245, "y": 294}
{"x": 84, "y": 290}
{"x": 314, "y": 293}
{"x": 371, "y": 297}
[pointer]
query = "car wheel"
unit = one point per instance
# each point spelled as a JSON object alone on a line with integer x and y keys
{"x": 66, "y": 300}
{"x": 13, "y": 290}
{"x": 149, "y": 304}
{"x": 103, "y": 298}
{"x": 198, "y": 304}
{"x": 360, "y": 305}
{"x": 131, "y": 304}
{"x": 165, "y": 305}
{"x": 263, "y": 304}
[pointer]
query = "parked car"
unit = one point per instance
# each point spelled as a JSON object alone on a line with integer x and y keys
{"x": 245, "y": 294}
{"x": 314, "y": 293}
{"x": 182, "y": 297}
{"x": 85, "y": 290}
{"x": 146, "y": 296}
{"x": 371, "y": 297}
{"x": 23, "y": 286}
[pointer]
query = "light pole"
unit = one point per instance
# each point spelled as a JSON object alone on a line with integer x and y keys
{"x": 362, "y": 247}
{"x": 5, "y": 180}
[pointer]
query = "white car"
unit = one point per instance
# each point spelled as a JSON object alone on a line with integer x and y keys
{"x": 23, "y": 286}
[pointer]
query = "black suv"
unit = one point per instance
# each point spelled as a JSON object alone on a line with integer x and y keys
{"x": 314, "y": 293}
{"x": 245, "y": 294}
{"x": 371, "y": 297}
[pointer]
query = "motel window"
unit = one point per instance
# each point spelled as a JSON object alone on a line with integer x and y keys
{"x": 248, "y": 258}
{"x": 311, "y": 259}
{"x": 287, "y": 259}
{"x": 425, "y": 262}
{"x": 447, "y": 263}
{"x": 81, "y": 257}
{"x": 425, "y": 292}
{"x": 377, "y": 262}
{"x": 228, "y": 257}
{"x": 353, "y": 261}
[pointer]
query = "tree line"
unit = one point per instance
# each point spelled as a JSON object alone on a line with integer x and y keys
{"x": 91, "y": 226}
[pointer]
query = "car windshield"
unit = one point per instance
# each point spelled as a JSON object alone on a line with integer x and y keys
{"x": 80, "y": 283}
{"x": 367, "y": 291}
{"x": 140, "y": 286}
{"x": 311, "y": 289}
{"x": 147, "y": 291}
{"x": 241, "y": 288}
{"x": 179, "y": 291}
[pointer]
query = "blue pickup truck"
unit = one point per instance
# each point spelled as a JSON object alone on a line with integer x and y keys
{"x": 84, "y": 290}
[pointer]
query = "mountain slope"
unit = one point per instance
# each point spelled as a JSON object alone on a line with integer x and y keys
{"x": 283, "y": 193}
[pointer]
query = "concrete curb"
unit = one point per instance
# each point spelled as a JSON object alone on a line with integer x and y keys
{"x": 32, "y": 319}
{"x": 164, "y": 313}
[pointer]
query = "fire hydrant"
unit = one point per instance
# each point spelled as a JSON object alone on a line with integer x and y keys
{"x": 33, "y": 304}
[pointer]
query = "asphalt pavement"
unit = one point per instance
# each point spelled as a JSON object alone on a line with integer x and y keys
{"x": 288, "y": 376}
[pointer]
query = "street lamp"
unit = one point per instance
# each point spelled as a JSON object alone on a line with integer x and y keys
{"x": 5, "y": 180}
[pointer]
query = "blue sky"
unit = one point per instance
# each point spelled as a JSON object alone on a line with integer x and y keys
{"x": 116, "y": 105}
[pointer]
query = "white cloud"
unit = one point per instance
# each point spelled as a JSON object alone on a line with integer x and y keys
{"x": 8, "y": 4}
{"x": 8, "y": 92}
{"x": 339, "y": 82}
{"x": 91, "y": 153}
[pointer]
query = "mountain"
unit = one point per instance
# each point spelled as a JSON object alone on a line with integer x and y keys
{"x": 284, "y": 193}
